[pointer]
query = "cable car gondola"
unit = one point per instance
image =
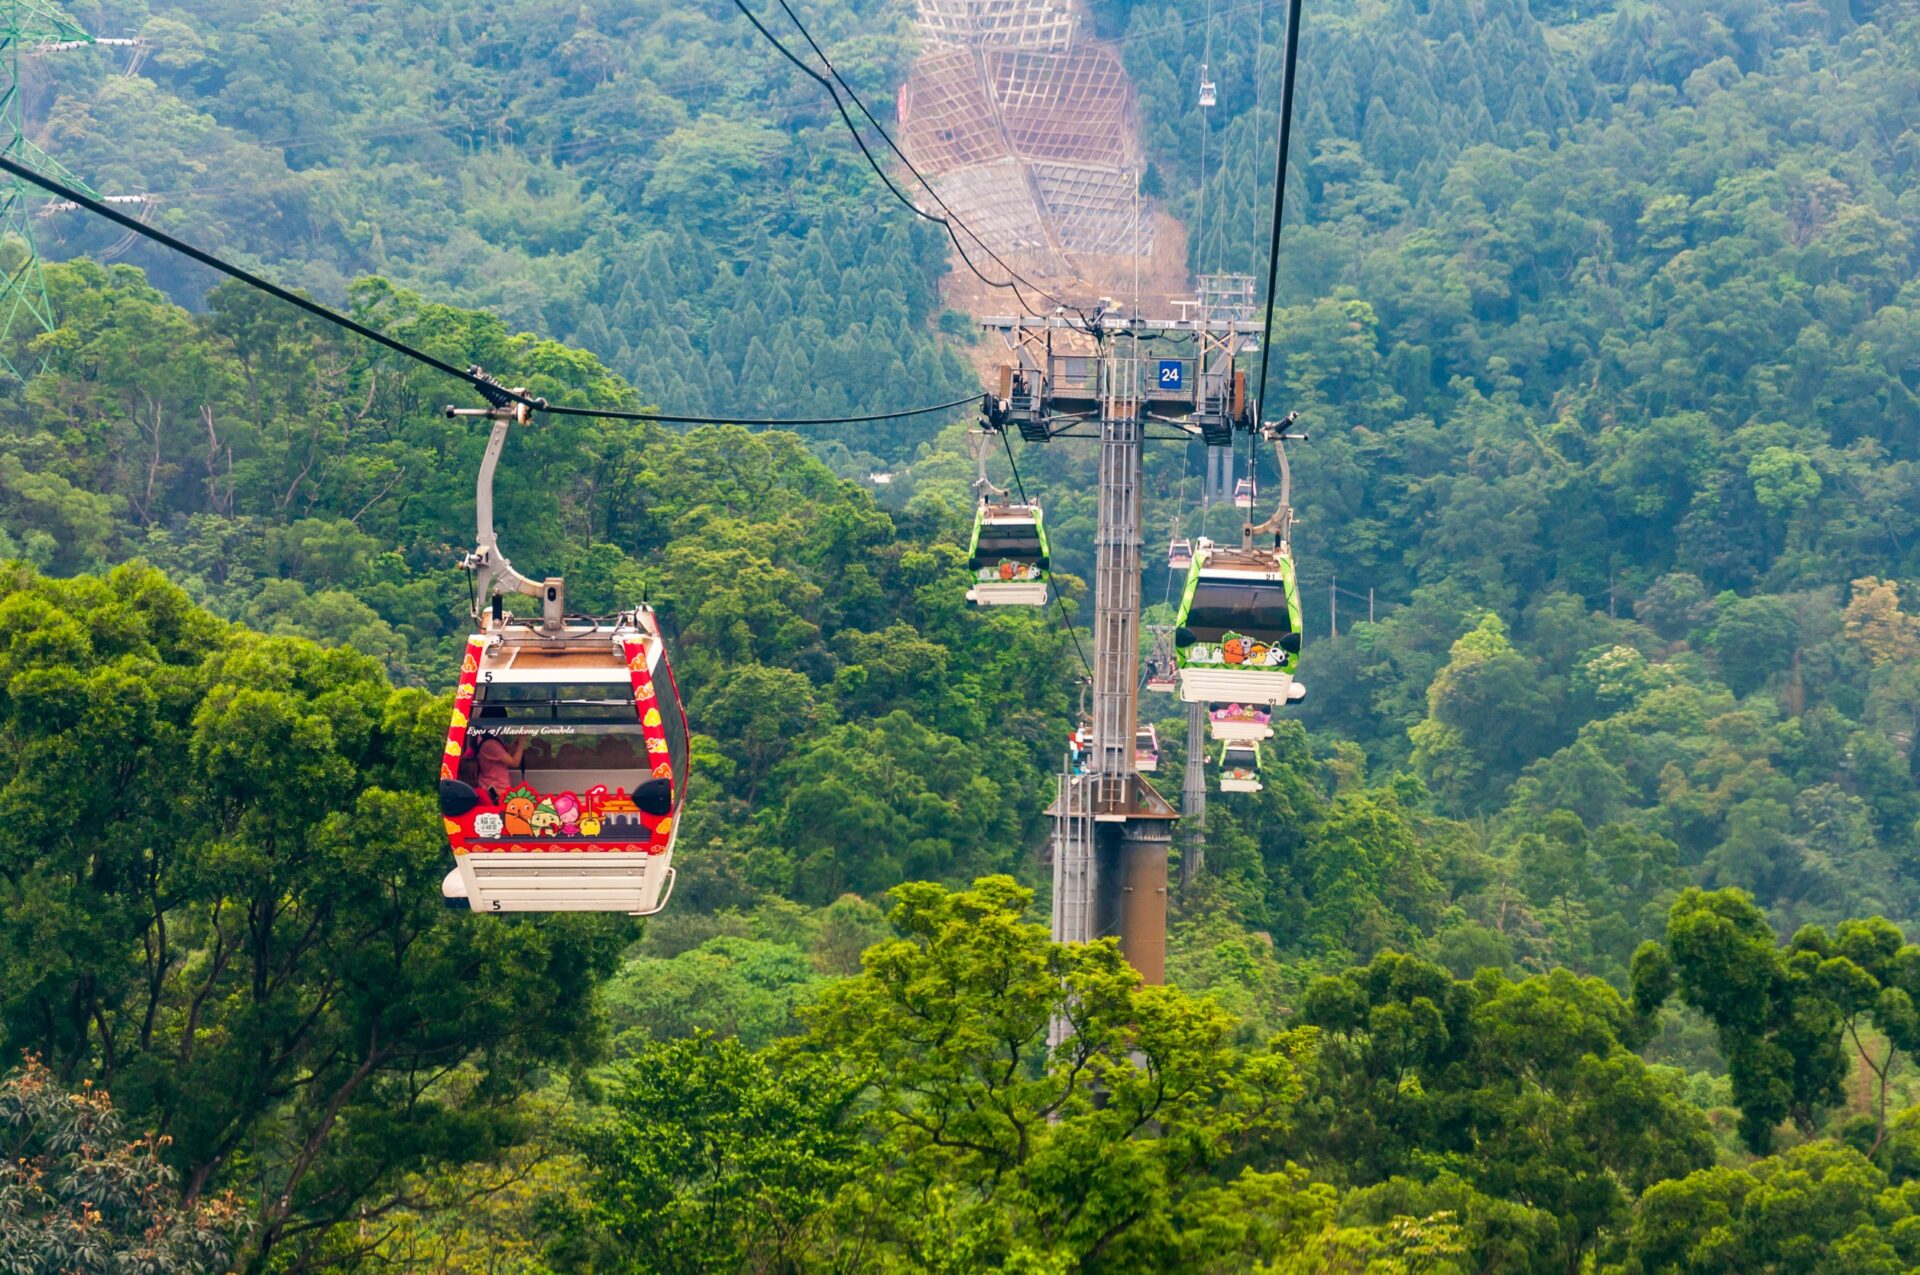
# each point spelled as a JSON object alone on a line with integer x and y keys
{"x": 1243, "y": 493}
{"x": 1080, "y": 738}
{"x": 1209, "y": 96}
{"x": 565, "y": 769}
{"x": 1162, "y": 677}
{"x": 594, "y": 753}
{"x": 1237, "y": 637}
{"x": 1240, "y": 766}
{"x": 1179, "y": 553}
{"x": 1008, "y": 556}
{"x": 1146, "y": 748}
{"x": 1240, "y": 721}
{"x": 1162, "y": 663}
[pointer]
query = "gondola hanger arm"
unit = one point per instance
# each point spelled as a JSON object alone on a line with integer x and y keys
{"x": 1280, "y": 524}
{"x": 980, "y": 442}
{"x": 493, "y": 572}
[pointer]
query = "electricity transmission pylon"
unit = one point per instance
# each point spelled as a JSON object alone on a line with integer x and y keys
{"x": 26, "y": 27}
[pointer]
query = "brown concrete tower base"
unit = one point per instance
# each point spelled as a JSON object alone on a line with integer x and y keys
{"x": 1133, "y": 892}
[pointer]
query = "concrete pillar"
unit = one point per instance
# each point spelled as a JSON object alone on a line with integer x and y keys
{"x": 1140, "y": 863}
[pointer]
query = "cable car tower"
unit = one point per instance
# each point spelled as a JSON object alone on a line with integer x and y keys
{"x": 29, "y": 28}
{"x": 1086, "y": 377}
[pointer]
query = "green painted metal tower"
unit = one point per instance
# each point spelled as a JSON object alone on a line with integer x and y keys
{"x": 26, "y": 27}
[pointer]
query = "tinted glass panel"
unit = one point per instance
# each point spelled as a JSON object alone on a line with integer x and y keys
{"x": 561, "y": 757}
{"x": 1021, "y": 544}
{"x": 1254, "y": 610}
{"x": 621, "y": 749}
{"x": 676, "y": 725}
{"x": 498, "y": 704}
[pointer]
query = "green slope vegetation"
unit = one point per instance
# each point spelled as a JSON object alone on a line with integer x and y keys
{"x": 1603, "y": 318}
{"x": 649, "y": 182}
{"x": 1568, "y": 933}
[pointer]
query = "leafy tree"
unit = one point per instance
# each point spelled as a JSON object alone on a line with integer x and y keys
{"x": 746, "y": 989}
{"x": 949, "y": 1028}
{"x": 1753, "y": 639}
{"x": 1813, "y": 1208}
{"x": 924, "y": 1120}
{"x": 239, "y": 927}
{"x": 711, "y": 1156}
{"x": 1876, "y": 623}
{"x": 77, "y": 1196}
{"x": 1529, "y": 1089}
{"x": 1783, "y": 1015}
{"x": 1487, "y": 712}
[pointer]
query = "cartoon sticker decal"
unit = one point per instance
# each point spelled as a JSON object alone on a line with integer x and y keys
{"x": 518, "y": 811}
{"x": 529, "y": 821}
{"x": 1235, "y": 651}
{"x": 1010, "y": 572}
{"x": 566, "y": 807}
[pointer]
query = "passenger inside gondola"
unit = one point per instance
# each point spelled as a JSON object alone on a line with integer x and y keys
{"x": 494, "y": 761}
{"x": 559, "y": 739}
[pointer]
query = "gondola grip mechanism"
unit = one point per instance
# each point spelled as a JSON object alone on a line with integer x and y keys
{"x": 493, "y": 571}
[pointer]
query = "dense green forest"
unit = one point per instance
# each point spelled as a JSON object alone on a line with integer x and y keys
{"x": 646, "y": 181}
{"x": 1568, "y": 934}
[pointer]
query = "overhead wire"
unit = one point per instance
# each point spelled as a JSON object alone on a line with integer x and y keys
{"x": 1206, "y": 69}
{"x": 1273, "y": 236}
{"x": 1059, "y": 602}
{"x": 953, "y": 218}
{"x": 607, "y": 413}
{"x": 1279, "y": 200}
{"x": 489, "y": 388}
{"x": 1013, "y": 280}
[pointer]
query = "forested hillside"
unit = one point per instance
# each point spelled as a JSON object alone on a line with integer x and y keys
{"x": 1605, "y": 322}
{"x": 1568, "y": 934}
{"x": 649, "y": 181}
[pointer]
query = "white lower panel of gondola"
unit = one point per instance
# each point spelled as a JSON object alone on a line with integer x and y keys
{"x": 1013, "y": 594}
{"x": 1230, "y": 784}
{"x": 1237, "y": 686}
{"x": 1146, "y": 763}
{"x": 1239, "y": 732}
{"x": 604, "y": 881}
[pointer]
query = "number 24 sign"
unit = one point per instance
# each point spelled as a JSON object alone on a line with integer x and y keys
{"x": 1171, "y": 374}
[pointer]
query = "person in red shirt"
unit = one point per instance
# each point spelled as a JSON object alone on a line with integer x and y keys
{"x": 495, "y": 759}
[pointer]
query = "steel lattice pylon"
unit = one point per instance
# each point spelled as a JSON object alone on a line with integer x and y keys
{"x": 25, "y": 25}
{"x": 1068, "y": 379}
